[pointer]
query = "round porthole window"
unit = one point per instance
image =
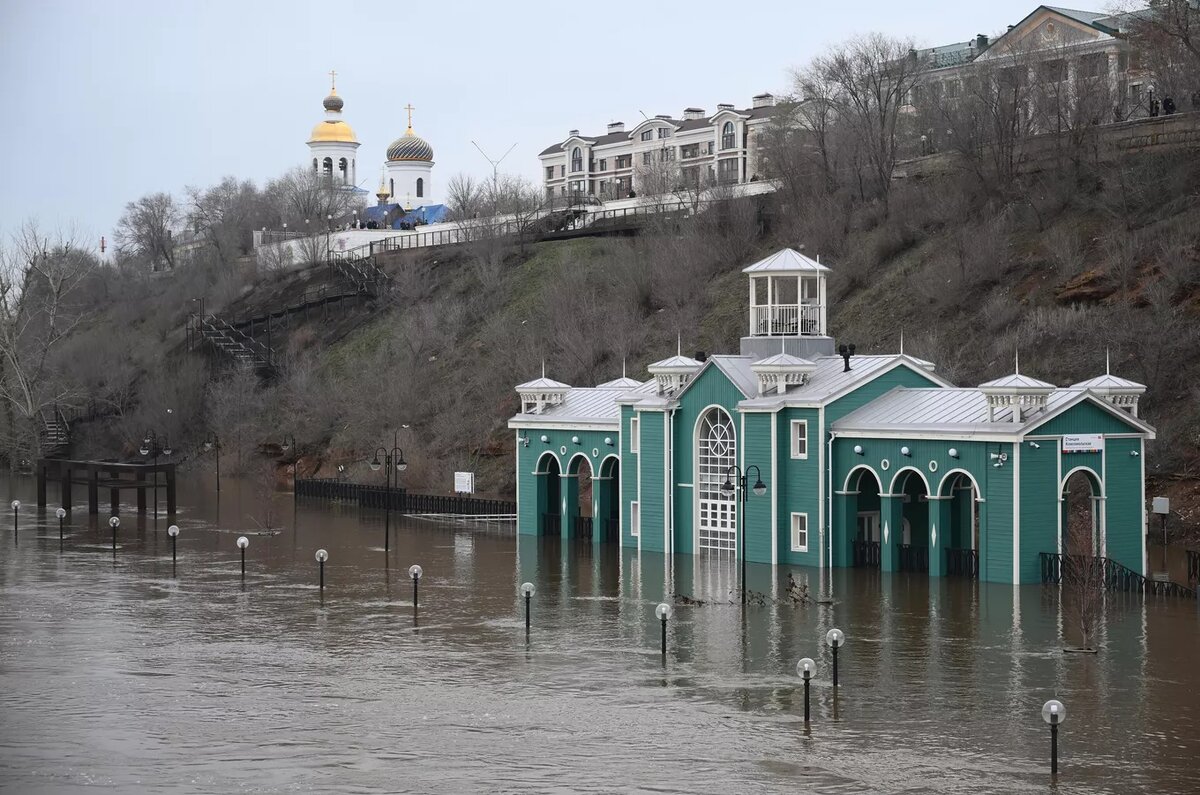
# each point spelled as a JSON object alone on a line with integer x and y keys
{"x": 563, "y": 449}
{"x": 885, "y": 464}
{"x": 595, "y": 452}
{"x": 933, "y": 466}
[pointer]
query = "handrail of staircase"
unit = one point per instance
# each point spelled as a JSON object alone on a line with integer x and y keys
{"x": 1117, "y": 576}
{"x": 222, "y": 325}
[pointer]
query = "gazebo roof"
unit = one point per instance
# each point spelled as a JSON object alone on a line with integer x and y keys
{"x": 542, "y": 384}
{"x": 786, "y": 260}
{"x": 1110, "y": 383}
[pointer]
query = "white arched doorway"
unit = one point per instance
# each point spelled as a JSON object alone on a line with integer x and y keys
{"x": 716, "y": 510}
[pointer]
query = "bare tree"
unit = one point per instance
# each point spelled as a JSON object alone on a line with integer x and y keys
{"x": 306, "y": 198}
{"x": 869, "y": 79}
{"x": 226, "y": 215}
{"x": 1083, "y": 578}
{"x": 38, "y": 278}
{"x": 145, "y": 232}
{"x": 464, "y": 197}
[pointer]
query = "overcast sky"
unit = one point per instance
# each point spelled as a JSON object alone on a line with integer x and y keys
{"x": 108, "y": 100}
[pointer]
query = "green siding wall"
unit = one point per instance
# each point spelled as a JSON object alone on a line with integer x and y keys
{"x": 527, "y": 458}
{"x": 1126, "y": 491}
{"x": 1039, "y": 506}
{"x": 651, "y": 488}
{"x": 629, "y": 475}
{"x": 1085, "y": 417}
{"x": 757, "y": 449}
{"x": 799, "y": 487}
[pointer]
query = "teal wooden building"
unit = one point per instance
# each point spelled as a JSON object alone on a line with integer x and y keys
{"x": 868, "y": 460}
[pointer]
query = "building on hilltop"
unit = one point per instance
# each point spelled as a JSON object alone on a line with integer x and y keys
{"x": 697, "y": 149}
{"x": 406, "y": 194}
{"x": 850, "y": 460}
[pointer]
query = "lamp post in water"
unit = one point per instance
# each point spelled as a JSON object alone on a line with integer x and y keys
{"x": 728, "y": 487}
{"x": 663, "y": 612}
{"x": 61, "y": 513}
{"x": 805, "y": 669}
{"x": 16, "y": 506}
{"x": 527, "y": 592}
{"x": 415, "y": 572}
{"x": 173, "y": 532}
{"x": 289, "y": 443}
{"x": 152, "y": 447}
{"x": 835, "y": 638}
{"x": 242, "y": 543}
{"x": 322, "y": 556}
{"x": 394, "y": 461}
{"x": 213, "y": 444}
{"x": 114, "y": 522}
{"x": 1054, "y": 713}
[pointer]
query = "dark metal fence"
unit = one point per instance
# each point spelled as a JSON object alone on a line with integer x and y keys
{"x": 583, "y": 526}
{"x": 866, "y": 554}
{"x": 962, "y": 563}
{"x": 1116, "y": 576}
{"x": 551, "y": 524}
{"x": 1193, "y": 567}
{"x": 914, "y": 558}
{"x": 402, "y": 500}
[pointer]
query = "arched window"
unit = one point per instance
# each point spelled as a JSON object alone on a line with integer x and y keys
{"x": 420, "y": 187}
{"x": 716, "y": 452}
{"x": 342, "y": 169}
{"x": 315, "y": 166}
{"x": 727, "y": 136}
{"x": 576, "y": 159}
{"x": 327, "y": 164}
{"x": 392, "y": 189}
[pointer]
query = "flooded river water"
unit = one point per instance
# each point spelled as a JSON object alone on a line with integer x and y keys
{"x": 115, "y": 673}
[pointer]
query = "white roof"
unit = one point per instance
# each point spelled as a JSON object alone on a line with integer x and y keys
{"x": 596, "y": 406}
{"x": 620, "y": 383}
{"x": 829, "y": 379}
{"x": 674, "y": 363}
{"x": 783, "y": 360}
{"x": 737, "y": 369}
{"x": 785, "y": 260}
{"x": 1108, "y": 383}
{"x": 1016, "y": 381}
{"x": 956, "y": 412}
{"x": 542, "y": 384}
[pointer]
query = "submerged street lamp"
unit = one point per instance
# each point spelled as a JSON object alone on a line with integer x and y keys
{"x": 1054, "y": 713}
{"x": 527, "y": 592}
{"x": 289, "y": 443}
{"x": 153, "y": 446}
{"x": 242, "y": 543}
{"x": 114, "y": 522}
{"x": 663, "y": 611}
{"x": 835, "y": 638}
{"x": 322, "y": 556}
{"x": 415, "y": 572}
{"x": 16, "y": 506}
{"x": 173, "y": 532}
{"x": 61, "y": 513}
{"x": 213, "y": 442}
{"x": 728, "y": 487}
{"x": 393, "y": 461}
{"x": 804, "y": 669}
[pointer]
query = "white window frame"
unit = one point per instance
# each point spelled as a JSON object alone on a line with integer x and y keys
{"x": 794, "y": 439}
{"x": 796, "y": 546}
{"x": 635, "y": 434}
{"x": 635, "y": 518}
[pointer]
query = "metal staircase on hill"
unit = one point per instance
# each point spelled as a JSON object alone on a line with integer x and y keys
{"x": 230, "y": 341}
{"x": 358, "y": 269}
{"x": 54, "y": 434}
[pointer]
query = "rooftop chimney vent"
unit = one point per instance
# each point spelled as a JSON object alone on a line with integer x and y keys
{"x": 616, "y": 126}
{"x": 725, "y": 106}
{"x": 763, "y": 101}
{"x": 693, "y": 113}
{"x": 846, "y": 352}
{"x": 573, "y": 133}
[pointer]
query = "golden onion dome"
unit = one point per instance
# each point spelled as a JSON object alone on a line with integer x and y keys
{"x": 410, "y": 146}
{"x": 333, "y": 131}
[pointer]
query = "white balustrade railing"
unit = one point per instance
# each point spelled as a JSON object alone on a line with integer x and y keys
{"x": 786, "y": 320}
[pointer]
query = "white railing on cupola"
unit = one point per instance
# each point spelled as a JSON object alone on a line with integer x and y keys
{"x": 787, "y": 296}
{"x": 1022, "y": 405}
{"x": 542, "y": 393}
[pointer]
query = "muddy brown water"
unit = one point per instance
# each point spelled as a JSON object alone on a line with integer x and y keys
{"x": 114, "y": 673}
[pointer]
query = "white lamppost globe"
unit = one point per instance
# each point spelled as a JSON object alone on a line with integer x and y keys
{"x": 805, "y": 668}
{"x": 527, "y": 589}
{"x": 16, "y": 505}
{"x": 61, "y": 513}
{"x": 663, "y": 611}
{"x": 401, "y": 465}
{"x": 1054, "y": 712}
{"x": 835, "y": 638}
{"x": 375, "y": 464}
{"x": 322, "y": 556}
{"x": 415, "y": 571}
{"x": 114, "y": 522}
{"x": 243, "y": 542}
{"x": 173, "y": 530}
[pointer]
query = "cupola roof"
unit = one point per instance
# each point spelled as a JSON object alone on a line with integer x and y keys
{"x": 785, "y": 260}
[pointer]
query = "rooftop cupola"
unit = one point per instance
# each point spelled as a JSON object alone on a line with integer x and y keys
{"x": 1120, "y": 392}
{"x": 1021, "y": 393}
{"x": 541, "y": 393}
{"x": 673, "y": 374}
{"x": 788, "y": 299}
{"x": 777, "y": 373}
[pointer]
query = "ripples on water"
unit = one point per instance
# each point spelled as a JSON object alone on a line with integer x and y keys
{"x": 115, "y": 673}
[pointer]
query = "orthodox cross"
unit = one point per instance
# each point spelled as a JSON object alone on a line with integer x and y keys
{"x": 410, "y": 109}
{"x": 332, "y": 79}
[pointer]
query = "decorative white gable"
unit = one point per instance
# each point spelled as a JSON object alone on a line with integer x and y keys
{"x": 1022, "y": 394}
{"x": 541, "y": 393}
{"x": 673, "y": 374}
{"x": 778, "y": 372}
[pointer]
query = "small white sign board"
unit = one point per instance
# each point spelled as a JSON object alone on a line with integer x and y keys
{"x": 1161, "y": 505}
{"x": 464, "y": 482}
{"x": 1083, "y": 443}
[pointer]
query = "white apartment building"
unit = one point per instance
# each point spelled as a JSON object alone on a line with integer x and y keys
{"x": 697, "y": 149}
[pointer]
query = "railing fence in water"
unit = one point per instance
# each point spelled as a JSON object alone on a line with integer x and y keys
{"x": 402, "y": 500}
